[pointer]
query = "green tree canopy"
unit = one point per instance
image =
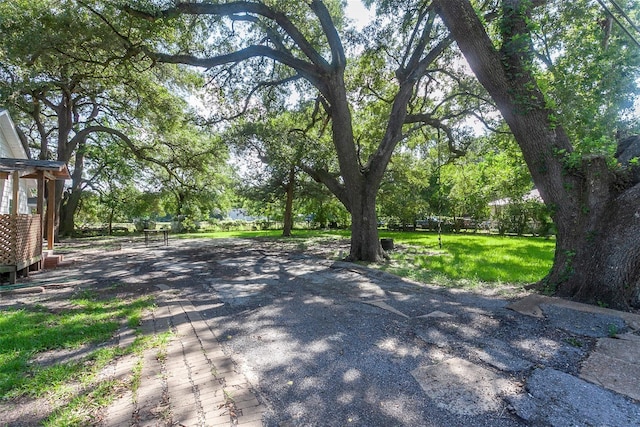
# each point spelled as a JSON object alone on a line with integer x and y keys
{"x": 78, "y": 87}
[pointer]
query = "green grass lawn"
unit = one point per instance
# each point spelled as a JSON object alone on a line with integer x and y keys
{"x": 464, "y": 259}
{"x": 470, "y": 258}
{"x": 26, "y": 333}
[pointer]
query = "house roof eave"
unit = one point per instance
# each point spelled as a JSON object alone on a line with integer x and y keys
{"x": 29, "y": 168}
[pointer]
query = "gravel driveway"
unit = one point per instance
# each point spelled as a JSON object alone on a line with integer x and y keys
{"x": 327, "y": 343}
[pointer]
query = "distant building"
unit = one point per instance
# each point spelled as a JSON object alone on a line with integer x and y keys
{"x": 240, "y": 214}
{"x": 496, "y": 205}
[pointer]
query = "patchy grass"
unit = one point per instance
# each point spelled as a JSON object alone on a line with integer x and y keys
{"x": 464, "y": 260}
{"x": 470, "y": 258}
{"x": 27, "y": 333}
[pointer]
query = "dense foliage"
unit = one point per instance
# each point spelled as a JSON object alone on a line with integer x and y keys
{"x": 388, "y": 118}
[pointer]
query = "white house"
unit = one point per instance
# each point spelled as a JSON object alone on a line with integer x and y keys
{"x": 531, "y": 195}
{"x": 11, "y": 147}
{"x": 240, "y": 214}
{"x": 21, "y": 230}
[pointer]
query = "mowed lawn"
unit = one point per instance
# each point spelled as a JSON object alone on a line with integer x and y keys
{"x": 466, "y": 257}
{"x": 475, "y": 257}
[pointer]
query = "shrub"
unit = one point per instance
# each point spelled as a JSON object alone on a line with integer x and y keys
{"x": 185, "y": 225}
{"x": 144, "y": 224}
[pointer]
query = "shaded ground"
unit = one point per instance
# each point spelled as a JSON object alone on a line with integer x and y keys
{"x": 311, "y": 341}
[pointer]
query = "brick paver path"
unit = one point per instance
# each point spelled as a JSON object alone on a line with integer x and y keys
{"x": 194, "y": 384}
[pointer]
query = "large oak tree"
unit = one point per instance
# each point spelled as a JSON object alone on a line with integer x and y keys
{"x": 72, "y": 89}
{"x": 264, "y": 44}
{"x": 57, "y": 77}
{"x": 595, "y": 206}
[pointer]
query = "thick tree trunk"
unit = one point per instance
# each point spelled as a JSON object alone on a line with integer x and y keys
{"x": 288, "y": 205}
{"x": 65, "y": 150}
{"x": 110, "y": 221}
{"x": 365, "y": 242}
{"x": 361, "y": 183}
{"x": 597, "y": 258}
{"x": 67, "y": 212}
{"x": 69, "y": 204}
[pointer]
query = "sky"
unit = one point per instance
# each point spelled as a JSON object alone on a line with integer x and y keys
{"x": 356, "y": 11}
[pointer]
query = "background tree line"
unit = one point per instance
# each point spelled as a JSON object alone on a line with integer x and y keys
{"x": 157, "y": 97}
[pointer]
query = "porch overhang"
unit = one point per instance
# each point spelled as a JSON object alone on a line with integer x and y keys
{"x": 30, "y": 168}
{"x": 43, "y": 171}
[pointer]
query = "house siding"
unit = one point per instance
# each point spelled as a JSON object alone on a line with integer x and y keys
{"x": 10, "y": 147}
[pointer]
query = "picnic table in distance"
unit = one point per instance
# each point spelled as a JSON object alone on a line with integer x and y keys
{"x": 148, "y": 232}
